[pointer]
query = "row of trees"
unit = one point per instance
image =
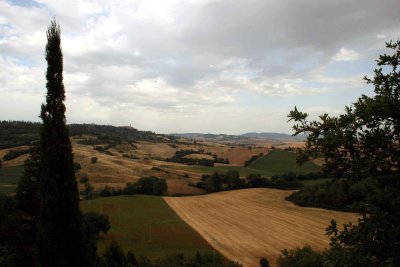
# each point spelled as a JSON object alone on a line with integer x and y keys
{"x": 252, "y": 159}
{"x": 231, "y": 180}
{"x": 181, "y": 157}
{"x": 147, "y": 186}
{"x": 115, "y": 257}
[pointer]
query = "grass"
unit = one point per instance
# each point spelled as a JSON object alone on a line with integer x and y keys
{"x": 147, "y": 226}
{"x": 275, "y": 162}
{"x": 316, "y": 181}
{"x": 9, "y": 178}
{"x": 243, "y": 171}
{"x": 11, "y": 175}
{"x": 6, "y": 189}
{"x": 280, "y": 161}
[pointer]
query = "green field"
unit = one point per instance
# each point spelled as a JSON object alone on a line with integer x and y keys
{"x": 275, "y": 162}
{"x": 9, "y": 178}
{"x": 147, "y": 226}
{"x": 280, "y": 161}
{"x": 316, "y": 181}
{"x": 243, "y": 171}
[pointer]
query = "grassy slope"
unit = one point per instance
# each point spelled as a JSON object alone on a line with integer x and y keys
{"x": 131, "y": 217}
{"x": 275, "y": 162}
{"x": 9, "y": 177}
{"x": 209, "y": 170}
{"x": 280, "y": 161}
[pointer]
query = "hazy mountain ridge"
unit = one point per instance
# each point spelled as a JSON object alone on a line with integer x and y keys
{"x": 246, "y": 136}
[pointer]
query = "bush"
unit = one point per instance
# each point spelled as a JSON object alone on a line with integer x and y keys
{"x": 300, "y": 257}
{"x": 253, "y": 158}
{"x": 264, "y": 262}
{"x": 94, "y": 160}
{"x": 95, "y": 223}
{"x": 77, "y": 166}
{"x": 130, "y": 189}
{"x": 106, "y": 192}
{"x": 151, "y": 186}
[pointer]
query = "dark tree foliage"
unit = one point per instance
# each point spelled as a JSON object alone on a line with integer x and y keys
{"x": 8, "y": 231}
{"x": 114, "y": 256}
{"x": 95, "y": 223}
{"x": 18, "y": 133}
{"x": 28, "y": 197}
{"x": 300, "y": 257}
{"x": 60, "y": 233}
{"x": 338, "y": 194}
{"x": 151, "y": 186}
{"x": 252, "y": 159}
{"x": 364, "y": 142}
{"x": 88, "y": 188}
{"x": 15, "y": 154}
{"x": 264, "y": 262}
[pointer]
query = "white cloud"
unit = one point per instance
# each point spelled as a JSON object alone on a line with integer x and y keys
{"x": 163, "y": 63}
{"x": 346, "y": 55}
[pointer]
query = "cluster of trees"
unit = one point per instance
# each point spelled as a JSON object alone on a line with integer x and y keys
{"x": 180, "y": 157}
{"x": 361, "y": 144}
{"x": 18, "y": 133}
{"x": 252, "y": 159}
{"x": 338, "y": 194}
{"x": 231, "y": 180}
{"x": 146, "y": 186}
{"x": 12, "y": 154}
{"x": 124, "y": 133}
{"x": 115, "y": 257}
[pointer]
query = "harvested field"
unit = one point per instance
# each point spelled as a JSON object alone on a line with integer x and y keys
{"x": 245, "y": 225}
{"x": 239, "y": 155}
{"x": 161, "y": 150}
{"x": 198, "y": 156}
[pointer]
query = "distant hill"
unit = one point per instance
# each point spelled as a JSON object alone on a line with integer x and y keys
{"x": 246, "y": 136}
{"x": 19, "y": 133}
{"x": 271, "y": 135}
{"x": 208, "y": 136}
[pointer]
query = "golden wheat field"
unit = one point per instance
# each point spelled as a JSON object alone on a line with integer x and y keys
{"x": 245, "y": 225}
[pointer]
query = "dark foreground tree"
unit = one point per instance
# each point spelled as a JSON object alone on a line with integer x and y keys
{"x": 364, "y": 143}
{"x": 60, "y": 233}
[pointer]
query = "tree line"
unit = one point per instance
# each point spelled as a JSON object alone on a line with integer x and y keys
{"x": 231, "y": 180}
{"x": 19, "y": 133}
{"x": 144, "y": 186}
{"x": 180, "y": 157}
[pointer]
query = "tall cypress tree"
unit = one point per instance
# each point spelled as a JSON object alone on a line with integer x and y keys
{"x": 60, "y": 233}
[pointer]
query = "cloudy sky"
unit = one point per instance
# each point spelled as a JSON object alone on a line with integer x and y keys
{"x": 219, "y": 66}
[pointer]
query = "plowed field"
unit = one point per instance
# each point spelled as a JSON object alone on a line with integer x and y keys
{"x": 245, "y": 225}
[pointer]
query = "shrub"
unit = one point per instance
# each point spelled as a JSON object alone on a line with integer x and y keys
{"x": 300, "y": 257}
{"x": 264, "y": 262}
{"x": 94, "y": 223}
{"x": 94, "y": 160}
